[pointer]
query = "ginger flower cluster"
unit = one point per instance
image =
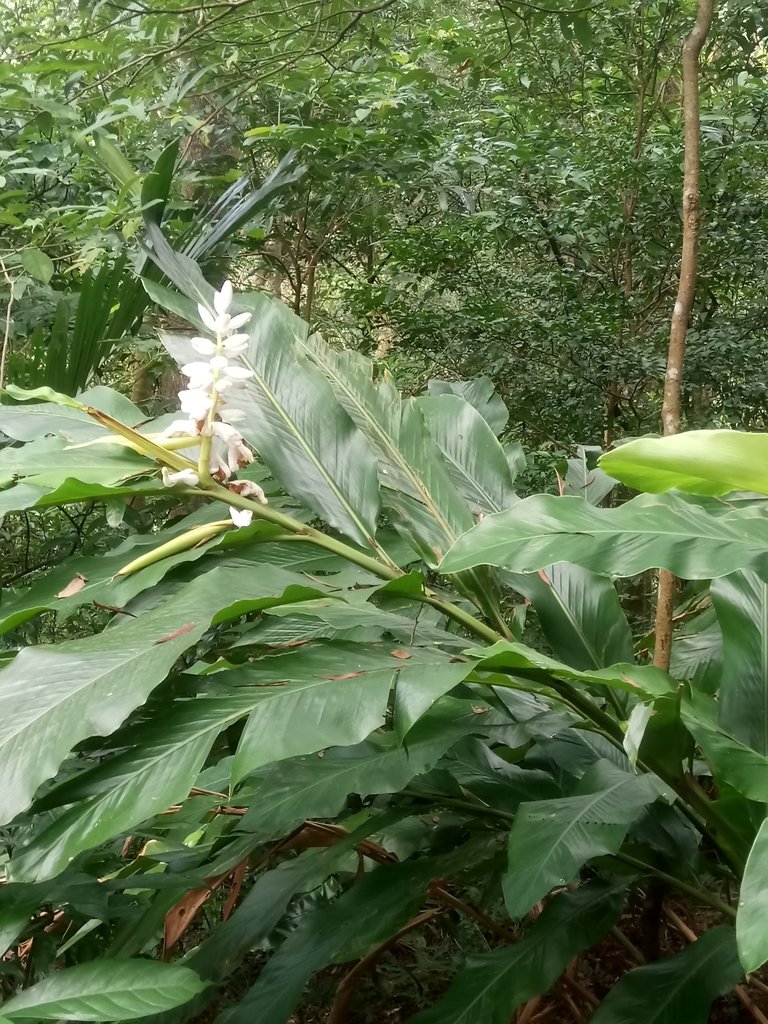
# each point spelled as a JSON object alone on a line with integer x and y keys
{"x": 222, "y": 446}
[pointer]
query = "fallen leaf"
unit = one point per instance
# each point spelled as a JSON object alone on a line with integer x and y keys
{"x": 402, "y": 655}
{"x": 74, "y": 586}
{"x": 346, "y": 675}
{"x": 176, "y": 632}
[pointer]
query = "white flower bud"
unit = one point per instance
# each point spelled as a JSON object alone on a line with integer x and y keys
{"x": 238, "y": 321}
{"x": 222, "y": 300}
{"x": 204, "y": 346}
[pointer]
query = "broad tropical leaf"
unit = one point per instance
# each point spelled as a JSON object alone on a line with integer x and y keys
{"x": 579, "y": 613}
{"x": 160, "y": 764}
{"x": 318, "y": 785}
{"x": 585, "y": 479}
{"x": 732, "y": 762}
{"x": 741, "y": 603}
{"x": 306, "y": 704}
{"x": 648, "y": 532}
{"x": 366, "y": 914}
{"x": 52, "y": 697}
{"x": 678, "y": 988}
{"x": 475, "y": 459}
{"x": 417, "y": 488}
{"x": 489, "y": 988}
{"x": 521, "y": 660}
{"x": 751, "y": 931}
{"x": 481, "y": 394}
{"x": 698, "y": 461}
{"x": 106, "y": 990}
{"x": 30, "y": 422}
{"x": 551, "y": 839}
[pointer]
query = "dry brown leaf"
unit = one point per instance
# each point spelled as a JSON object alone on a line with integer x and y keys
{"x": 74, "y": 586}
{"x": 177, "y": 632}
{"x": 402, "y": 655}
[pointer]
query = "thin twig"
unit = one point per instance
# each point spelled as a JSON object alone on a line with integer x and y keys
{"x": 7, "y": 332}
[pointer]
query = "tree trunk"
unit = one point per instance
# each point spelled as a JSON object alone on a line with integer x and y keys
{"x": 686, "y": 290}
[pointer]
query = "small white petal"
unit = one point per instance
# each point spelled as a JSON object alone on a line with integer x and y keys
{"x": 195, "y": 403}
{"x": 226, "y": 433}
{"x": 182, "y": 476}
{"x": 222, "y": 384}
{"x": 196, "y": 369}
{"x": 218, "y": 362}
{"x": 240, "y": 516}
{"x": 207, "y": 317}
{"x": 204, "y": 346}
{"x": 238, "y": 373}
{"x": 236, "y": 339}
{"x": 222, "y": 300}
{"x": 238, "y": 321}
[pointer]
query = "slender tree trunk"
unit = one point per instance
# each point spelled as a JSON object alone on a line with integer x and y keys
{"x": 686, "y": 290}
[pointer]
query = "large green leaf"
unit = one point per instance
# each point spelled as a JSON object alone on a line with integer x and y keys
{"x": 160, "y": 764}
{"x": 318, "y": 785}
{"x": 417, "y": 488}
{"x": 551, "y": 840}
{"x": 97, "y": 572}
{"x": 741, "y": 767}
{"x": 106, "y": 990}
{"x": 648, "y": 532}
{"x": 53, "y": 697}
{"x": 49, "y": 461}
{"x": 318, "y": 696}
{"x": 520, "y": 660}
{"x": 29, "y": 422}
{"x": 699, "y": 461}
{"x": 751, "y": 930}
{"x": 481, "y": 394}
{"x": 678, "y": 989}
{"x": 585, "y": 479}
{"x": 579, "y": 612}
{"x": 489, "y": 988}
{"x": 475, "y": 459}
{"x": 741, "y": 603}
{"x": 293, "y": 420}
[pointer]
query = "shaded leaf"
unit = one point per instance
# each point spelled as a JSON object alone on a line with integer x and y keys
{"x": 489, "y": 988}
{"x": 678, "y": 988}
{"x": 550, "y": 840}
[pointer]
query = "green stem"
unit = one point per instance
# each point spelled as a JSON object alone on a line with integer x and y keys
{"x": 350, "y": 554}
{"x": 691, "y": 890}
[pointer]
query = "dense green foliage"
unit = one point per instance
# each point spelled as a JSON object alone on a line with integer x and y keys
{"x": 407, "y": 694}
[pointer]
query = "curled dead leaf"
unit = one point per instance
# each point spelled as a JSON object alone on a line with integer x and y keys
{"x": 74, "y": 586}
